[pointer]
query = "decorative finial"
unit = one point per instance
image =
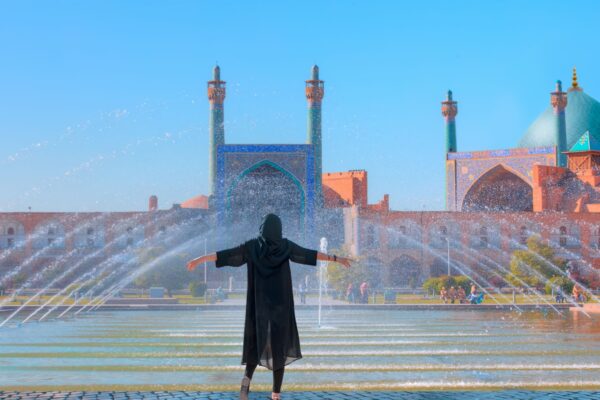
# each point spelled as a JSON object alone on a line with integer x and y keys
{"x": 449, "y": 97}
{"x": 558, "y": 86}
{"x": 315, "y": 72}
{"x": 574, "y": 84}
{"x": 216, "y": 73}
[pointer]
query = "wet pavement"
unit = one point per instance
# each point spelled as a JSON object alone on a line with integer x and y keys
{"x": 175, "y": 395}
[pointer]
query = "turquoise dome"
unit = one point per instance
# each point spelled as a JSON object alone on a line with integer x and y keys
{"x": 582, "y": 114}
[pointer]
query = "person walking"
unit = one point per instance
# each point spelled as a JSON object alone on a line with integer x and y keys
{"x": 302, "y": 290}
{"x": 270, "y": 331}
{"x": 350, "y": 293}
{"x": 364, "y": 293}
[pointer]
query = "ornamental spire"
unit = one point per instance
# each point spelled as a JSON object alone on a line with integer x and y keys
{"x": 574, "y": 84}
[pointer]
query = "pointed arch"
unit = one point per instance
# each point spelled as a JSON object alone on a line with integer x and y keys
{"x": 501, "y": 188}
{"x": 256, "y": 166}
{"x": 405, "y": 271}
{"x": 263, "y": 188}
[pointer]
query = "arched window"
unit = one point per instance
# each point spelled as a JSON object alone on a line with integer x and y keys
{"x": 401, "y": 236}
{"x": 370, "y": 239}
{"x": 523, "y": 235}
{"x": 483, "y": 237}
{"x": 12, "y": 234}
{"x": 444, "y": 234}
{"x": 51, "y": 236}
{"x": 129, "y": 241}
{"x": 562, "y": 238}
{"x": 90, "y": 237}
{"x": 10, "y": 237}
{"x": 46, "y": 234}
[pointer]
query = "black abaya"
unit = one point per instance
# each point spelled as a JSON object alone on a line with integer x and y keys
{"x": 270, "y": 331}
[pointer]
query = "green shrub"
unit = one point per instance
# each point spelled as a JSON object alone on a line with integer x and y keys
{"x": 431, "y": 285}
{"x": 463, "y": 282}
{"x": 562, "y": 282}
{"x": 197, "y": 289}
{"x": 436, "y": 284}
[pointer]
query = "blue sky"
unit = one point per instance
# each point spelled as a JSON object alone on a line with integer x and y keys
{"x": 103, "y": 103}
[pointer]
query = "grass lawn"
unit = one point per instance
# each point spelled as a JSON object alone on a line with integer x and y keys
{"x": 400, "y": 299}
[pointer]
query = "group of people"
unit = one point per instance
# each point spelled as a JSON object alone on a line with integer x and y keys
{"x": 358, "y": 293}
{"x": 452, "y": 295}
{"x": 578, "y": 294}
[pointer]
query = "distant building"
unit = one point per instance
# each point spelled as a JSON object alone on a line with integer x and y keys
{"x": 495, "y": 200}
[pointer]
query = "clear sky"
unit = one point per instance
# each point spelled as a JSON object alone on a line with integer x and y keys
{"x": 103, "y": 103}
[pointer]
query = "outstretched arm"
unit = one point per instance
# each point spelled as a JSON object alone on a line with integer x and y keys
{"x": 342, "y": 260}
{"x": 192, "y": 264}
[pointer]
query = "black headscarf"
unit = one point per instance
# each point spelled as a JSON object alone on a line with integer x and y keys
{"x": 272, "y": 249}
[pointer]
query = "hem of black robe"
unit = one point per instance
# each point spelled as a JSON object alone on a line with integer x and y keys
{"x": 288, "y": 361}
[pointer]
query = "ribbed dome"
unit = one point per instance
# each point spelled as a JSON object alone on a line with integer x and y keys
{"x": 582, "y": 114}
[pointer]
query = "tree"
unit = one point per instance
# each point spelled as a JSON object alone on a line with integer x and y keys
{"x": 168, "y": 270}
{"x": 197, "y": 288}
{"x": 561, "y": 283}
{"x": 340, "y": 277}
{"x": 535, "y": 265}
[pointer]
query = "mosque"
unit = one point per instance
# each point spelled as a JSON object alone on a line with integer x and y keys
{"x": 554, "y": 167}
{"x": 495, "y": 199}
{"x": 549, "y": 184}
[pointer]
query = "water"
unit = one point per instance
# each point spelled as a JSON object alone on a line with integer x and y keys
{"x": 360, "y": 349}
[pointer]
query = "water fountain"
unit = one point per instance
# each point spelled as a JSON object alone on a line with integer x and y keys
{"x": 322, "y": 265}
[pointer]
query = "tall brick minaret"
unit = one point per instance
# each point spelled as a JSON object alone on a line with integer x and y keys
{"x": 315, "y": 90}
{"x": 558, "y": 99}
{"x": 216, "y": 127}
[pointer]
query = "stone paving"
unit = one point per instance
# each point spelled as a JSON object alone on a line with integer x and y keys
{"x": 358, "y": 395}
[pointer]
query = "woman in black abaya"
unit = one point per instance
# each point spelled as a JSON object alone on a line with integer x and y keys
{"x": 270, "y": 331}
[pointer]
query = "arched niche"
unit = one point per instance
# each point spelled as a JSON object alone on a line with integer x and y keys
{"x": 499, "y": 189}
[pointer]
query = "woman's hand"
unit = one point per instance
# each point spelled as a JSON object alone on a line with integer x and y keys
{"x": 192, "y": 264}
{"x": 345, "y": 261}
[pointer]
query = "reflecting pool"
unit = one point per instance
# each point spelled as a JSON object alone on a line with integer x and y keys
{"x": 355, "y": 348}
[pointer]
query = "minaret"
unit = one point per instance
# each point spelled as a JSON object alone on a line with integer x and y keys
{"x": 315, "y": 90}
{"x": 558, "y": 99}
{"x": 216, "y": 127}
{"x": 449, "y": 111}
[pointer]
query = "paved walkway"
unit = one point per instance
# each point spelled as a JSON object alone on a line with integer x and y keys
{"x": 507, "y": 394}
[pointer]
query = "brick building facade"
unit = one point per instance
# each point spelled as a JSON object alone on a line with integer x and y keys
{"x": 495, "y": 200}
